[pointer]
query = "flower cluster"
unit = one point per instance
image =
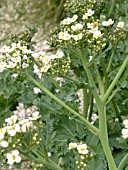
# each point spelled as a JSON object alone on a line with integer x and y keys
{"x": 46, "y": 63}
{"x": 17, "y": 55}
{"x": 125, "y": 130}
{"x": 16, "y": 130}
{"x": 81, "y": 148}
{"x": 85, "y": 29}
{"x": 83, "y": 154}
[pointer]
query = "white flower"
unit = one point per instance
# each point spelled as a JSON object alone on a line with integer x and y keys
{"x": 64, "y": 35}
{"x": 90, "y": 25}
{"x": 36, "y": 69}
{"x": 49, "y": 154}
{"x": 125, "y": 122}
{"x": 94, "y": 30}
{"x": 45, "y": 68}
{"x": 20, "y": 112}
{"x": 18, "y": 45}
{"x": 59, "y": 54}
{"x": 125, "y": 133}
{"x": 94, "y": 117}
{"x": 77, "y": 37}
{"x": 67, "y": 21}
{"x": 12, "y": 130}
{"x": 36, "y": 56}
{"x": 13, "y": 45}
{"x": 90, "y": 58}
{"x": 23, "y": 128}
{"x": 120, "y": 24}
{"x": 107, "y": 23}
{"x": 1, "y": 136}
{"x": 72, "y": 145}
{"x": 25, "y": 65}
{"x": 85, "y": 16}
{"x": 90, "y": 12}
{"x": 82, "y": 149}
{"x": 36, "y": 90}
{"x": 97, "y": 34}
{"x": 15, "y": 75}
{"x": 4, "y": 144}
{"x": 13, "y": 157}
{"x": 46, "y": 60}
{"x": 2, "y": 66}
{"x": 74, "y": 18}
{"x": 110, "y": 21}
{"x": 16, "y": 53}
{"x": 24, "y": 49}
{"x": 11, "y": 65}
{"x": 5, "y": 49}
{"x": 25, "y": 123}
{"x": 12, "y": 120}
{"x": 25, "y": 57}
{"x": 52, "y": 56}
{"x": 16, "y": 59}
{"x": 35, "y": 116}
{"x": 77, "y": 27}
{"x": 2, "y": 132}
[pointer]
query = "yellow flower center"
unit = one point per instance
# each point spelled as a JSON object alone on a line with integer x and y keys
{"x": 82, "y": 149}
{"x": 13, "y": 157}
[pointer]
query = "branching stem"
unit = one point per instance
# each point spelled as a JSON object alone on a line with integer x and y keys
{"x": 111, "y": 87}
{"x": 88, "y": 124}
{"x": 102, "y": 118}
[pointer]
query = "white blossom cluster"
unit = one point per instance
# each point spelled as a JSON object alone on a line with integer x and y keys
{"x": 81, "y": 148}
{"x": 75, "y": 28}
{"x": 29, "y": 113}
{"x": 14, "y": 56}
{"x": 45, "y": 61}
{"x": 125, "y": 130}
{"x": 82, "y": 152}
{"x": 17, "y": 56}
{"x": 16, "y": 126}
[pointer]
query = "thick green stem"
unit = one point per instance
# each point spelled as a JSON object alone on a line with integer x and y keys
{"x": 102, "y": 119}
{"x": 99, "y": 80}
{"x": 88, "y": 124}
{"x": 111, "y": 87}
{"x": 123, "y": 162}
{"x": 91, "y": 107}
{"x": 110, "y": 61}
{"x": 85, "y": 102}
{"x": 107, "y": 84}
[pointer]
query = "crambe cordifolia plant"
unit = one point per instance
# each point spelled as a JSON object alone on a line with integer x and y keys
{"x": 50, "y": 127}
